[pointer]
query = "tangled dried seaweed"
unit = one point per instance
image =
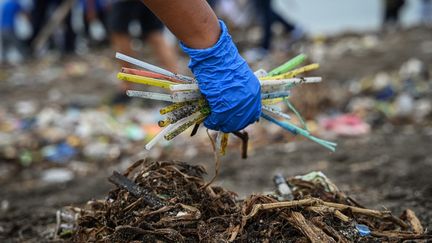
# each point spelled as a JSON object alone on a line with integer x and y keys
{"x": 168, "y": 201}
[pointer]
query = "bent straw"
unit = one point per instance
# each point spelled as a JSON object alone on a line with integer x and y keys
{"x": 296, "y": 130}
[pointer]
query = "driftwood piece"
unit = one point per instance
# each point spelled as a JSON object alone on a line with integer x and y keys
{"x": 147, "y": 196}
{"x": 329, "y": 230}
{"x": 311, "y": 231}
{"x": 413, "y": 221}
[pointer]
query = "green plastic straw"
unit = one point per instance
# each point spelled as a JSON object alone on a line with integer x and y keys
{"x": 294, "y": 110}
{"x": 288, "y": 66}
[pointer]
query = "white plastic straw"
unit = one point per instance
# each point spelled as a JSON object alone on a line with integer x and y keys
{"x": 159, "y": 136}
{"x": 149, "y": 95}
{"x": 186, "y": 96}
{"x": 275, "y": 82}
{"x": 182, "y": 87}
{"x": 169, "y": 128}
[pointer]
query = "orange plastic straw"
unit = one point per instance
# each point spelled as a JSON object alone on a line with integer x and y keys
{"x": 149, "y": 74}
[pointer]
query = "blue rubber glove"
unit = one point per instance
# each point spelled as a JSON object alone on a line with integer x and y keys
{"x": 226, "y": 81}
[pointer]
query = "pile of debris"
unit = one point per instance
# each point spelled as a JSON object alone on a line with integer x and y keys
{"x": 169, "y": 201}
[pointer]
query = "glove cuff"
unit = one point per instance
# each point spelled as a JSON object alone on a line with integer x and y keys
{"x": 198, "y": 55}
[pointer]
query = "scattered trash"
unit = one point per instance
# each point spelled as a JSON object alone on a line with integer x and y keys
{"x": 57, "y": 175}
{"x": 174, "y": 206}
{"x": 282, "y": 188}
{"x": 345, "y": 125}
{"x": 363, "y": 229}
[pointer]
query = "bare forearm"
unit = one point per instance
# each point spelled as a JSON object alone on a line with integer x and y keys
{"x": 192, "y": 21}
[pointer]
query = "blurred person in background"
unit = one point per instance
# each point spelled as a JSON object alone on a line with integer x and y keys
{"x": 9, "y": 11}
{"x": 41, "y": 14}
{"x": 267, "y": 18}
{"x": 391, "y": 15}
{"x": 426, "y": 12}
{"x": 122, "y": 13}
{"x": 95, "y": 20}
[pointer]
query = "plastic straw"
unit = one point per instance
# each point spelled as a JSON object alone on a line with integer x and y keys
{"x": 274, "y": 95}
{"x": 159, "y": 136}
{"x": 182, "y": 87}
{"x": 296, "y": 130}
{"x": 291, "y": 64}
{"x": 271, "y": 101}
{"x": 186, "y": 96}
{"x": 149, "y": 95}
{"x": 276, "y": 82}
{"x": 260, "y": 73}
{"x": 151, "y": 67}
{"x": 276, "y": 112}
{"x": 149, "y": 74}
{"x": 294, "y": 72}
{"x": 145, "y": 80}
{"x": 179, "y": 105}
{"x": 197, "y": 117}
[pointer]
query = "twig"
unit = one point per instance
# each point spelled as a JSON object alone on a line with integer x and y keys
{"x": 217, "y": 161}
{"x": 244, "y": 136}
{"x": 413, "y": 221}
{"x": 335, "y": 212}
{"x": 317, "y": 202}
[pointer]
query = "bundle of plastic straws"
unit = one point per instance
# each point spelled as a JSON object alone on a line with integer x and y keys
{"x": 189, "y": 107}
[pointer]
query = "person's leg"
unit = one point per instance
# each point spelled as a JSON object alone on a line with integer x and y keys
{"x": 69, "y": 34}
{"x": 38, "y": 17}
{"x": 118, "y": 19}
{"x": 165, "y": 52}
{"x": 152, "y": 29}
{"x": 267, "y": 21}
{"x": 287, "y": 25}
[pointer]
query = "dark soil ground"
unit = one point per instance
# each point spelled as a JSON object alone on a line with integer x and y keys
{"x": 389, "y": 168}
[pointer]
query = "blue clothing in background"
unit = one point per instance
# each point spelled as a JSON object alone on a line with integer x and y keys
{"x": 99, "y": 4}
{"x": 9, "y": 9}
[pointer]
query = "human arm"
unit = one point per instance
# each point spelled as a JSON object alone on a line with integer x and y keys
{"x": 224, "y": 78}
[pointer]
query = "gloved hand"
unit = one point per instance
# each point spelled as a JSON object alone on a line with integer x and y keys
{"x": 226, "y": 81}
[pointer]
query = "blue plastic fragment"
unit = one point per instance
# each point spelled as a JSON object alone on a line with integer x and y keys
{"x": 363, "y": 229}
